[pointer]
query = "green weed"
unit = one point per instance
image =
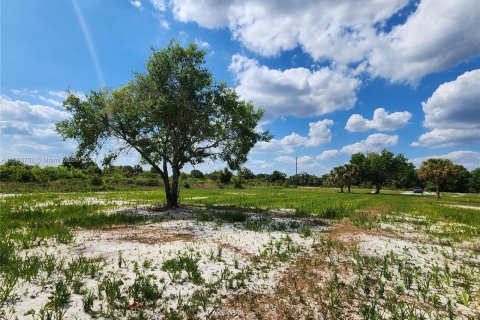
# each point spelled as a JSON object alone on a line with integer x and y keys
{"x": 184, "y": 262}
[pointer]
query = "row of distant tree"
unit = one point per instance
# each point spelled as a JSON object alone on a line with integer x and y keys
{"x": 386, "y": 169}
{"x": 376, "y": 170}
{"x": 75, "y": 174}
{"x": 75, "y": 169}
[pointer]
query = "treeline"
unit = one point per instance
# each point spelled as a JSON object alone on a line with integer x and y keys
{"x": 384, "y": 169}
{"x": 246, "y": 177}
{"x": 83, "y": 174}
{"x": 377, "y": 170}
{"x": 73, "y": 175}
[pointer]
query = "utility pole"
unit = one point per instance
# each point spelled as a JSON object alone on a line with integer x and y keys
{"x": 296, "y": 171}
{"x": 296, "y": 166}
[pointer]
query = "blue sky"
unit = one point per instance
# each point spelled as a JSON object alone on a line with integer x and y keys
{"x": 335, "y": 77}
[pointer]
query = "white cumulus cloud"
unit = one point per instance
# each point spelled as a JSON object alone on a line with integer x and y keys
{"x": 468, "y": 159}
{"x": 452, "y": 113}
{"x": 438, "y": 138}
{"x": 382, "y": 121}
{"x": 436, "y": 36}
{"x": 318, "y": 134}
{"x": 262, "y": 164}
{"x": 340, "y": 30}
{"x": 298, "y": 91}
{"x": 303, "y": 162}
{"x": 159, "y": 5}
{"x": 50, "y": 101}
{"x": 202, "y": 44}
{"x": 136, "y": 3}
{"x": 207, "y": 13}
{"x": 28, "y": 130}
{"x": 17, "y": 111}
{"x": 62, "y": 94}
{"x": 328, "y": 154}
{"x": 373, "y": 143}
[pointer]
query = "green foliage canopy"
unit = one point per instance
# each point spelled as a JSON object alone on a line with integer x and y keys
{"x": 439, "y": 171}
{"x": 172, "y": 115}
{"x": 379, "y": 168}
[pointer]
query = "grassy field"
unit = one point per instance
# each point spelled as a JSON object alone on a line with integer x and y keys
{"x": 319, "y": 201}
{"x": 266, "y": 253}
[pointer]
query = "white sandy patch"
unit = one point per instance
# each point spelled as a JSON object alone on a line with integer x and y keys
{"x": 462, "y": 206}
{"x": 82, "y": 201}
{"x": 284, "y": 210}
{"x": 411, "y": 193}
{"x": 113, "y": 206}
{"x": 217, "y": 245}
{"x": 8, "y": 195}
{"x": 241, "y": 194}
{"x": 420, "y": 254}
{"x": 428, "y": 257}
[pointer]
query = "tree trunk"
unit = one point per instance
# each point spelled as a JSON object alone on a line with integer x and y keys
{"x": 377, "y": 188}
{"x": 174, "y": 189}
{"x": 437, "y": 189}
{"x": 171, "y": 202}
{"x": 168, "y": 194}
{"x": 348, "y": 185}
{"x": 341, "y": 188}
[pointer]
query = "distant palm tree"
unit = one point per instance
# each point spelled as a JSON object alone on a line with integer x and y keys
{"x": 351, "y": 173}
{"x": 337, "y": 177}
{"x": 438, "y": 171}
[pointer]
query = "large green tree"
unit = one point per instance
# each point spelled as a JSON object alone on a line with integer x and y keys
{"x": 474, "y": 183}
{"x": 173, "y": 114}
{"x": 462, "y": 181}
{"x": 379, "y": 168}
{"x": 438, "y": 171}
{"x": 406, "y": 178}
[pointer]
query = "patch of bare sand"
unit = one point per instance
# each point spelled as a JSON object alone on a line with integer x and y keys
{"x": 462, "y": 206}
{"x": 305, "y": 288}
{"x": 218, "y": 247}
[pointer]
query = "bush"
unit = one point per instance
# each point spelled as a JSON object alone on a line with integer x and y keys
{"x": 225, "y": 176}
{"x": 237, "y": 182}
{"x": 96, "y": 181}
{"x": 26, "y": 175}
{"x": 277, "y": 176}
{"x": 196, "y": 174}
{"x": 6, "y": 173}
{"x": 246, "y": 174}
{"x": 148, "y": 179}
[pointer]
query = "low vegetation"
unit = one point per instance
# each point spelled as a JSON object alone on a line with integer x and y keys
{"x": 274, "y": 253}
{"x": 77, "y": 175}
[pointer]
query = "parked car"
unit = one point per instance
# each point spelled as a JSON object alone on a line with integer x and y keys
{"x": 417, "y": 190}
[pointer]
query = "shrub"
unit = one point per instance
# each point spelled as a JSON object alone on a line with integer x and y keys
{"x": 196, "y": 174}
{"x": 96, "y": 181}
{"x": 225, "y": 176}
{"x": 237, "y": 182}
